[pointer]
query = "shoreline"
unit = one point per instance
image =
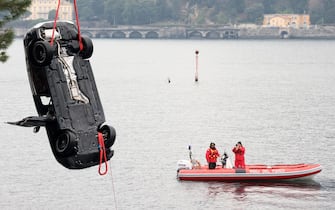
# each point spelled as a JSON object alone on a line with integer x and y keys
{"x": 313, "y": 32}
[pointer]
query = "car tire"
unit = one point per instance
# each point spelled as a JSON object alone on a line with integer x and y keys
{"x": 41, "y": 53}
{"x": 109, "y": 134}
{"x": 88, "y": 47}
{"x": 65, "y": 143}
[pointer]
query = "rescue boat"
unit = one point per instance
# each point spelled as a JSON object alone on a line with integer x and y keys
{"x": 190, "y": 172}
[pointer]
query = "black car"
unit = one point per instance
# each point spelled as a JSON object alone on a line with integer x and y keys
{"x": 65, "y": 95}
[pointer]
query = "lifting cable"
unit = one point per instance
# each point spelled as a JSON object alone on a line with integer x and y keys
{"x": 113, "y": 188}
{"x": 102, "y": 148}
{"x": 104, "y": 158}
{"x": 81, "y": 46}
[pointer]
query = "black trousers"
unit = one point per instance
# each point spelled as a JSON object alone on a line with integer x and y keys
{"x": 211, "y": 165}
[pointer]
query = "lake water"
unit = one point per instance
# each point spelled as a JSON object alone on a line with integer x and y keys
{"x": 277, "y": 97}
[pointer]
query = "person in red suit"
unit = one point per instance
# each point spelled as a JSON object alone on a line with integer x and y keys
{"x": 239, "y": 151}
{"x": 211, "y": 155}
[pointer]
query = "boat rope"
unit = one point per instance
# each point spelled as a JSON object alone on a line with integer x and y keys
{"x": 81, "y": 46}
{"x": 103, "y": 156}
{"x": 113, "y": 188}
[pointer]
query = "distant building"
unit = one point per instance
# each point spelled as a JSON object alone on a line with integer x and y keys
{"x": 40, "y": 9}
{"x": 287, "y": 20}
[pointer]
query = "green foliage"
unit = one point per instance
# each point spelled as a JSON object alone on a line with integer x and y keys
{"x": 9, "y": 11}
{"x": 329, "y": 11}
{"x": 52, "y": 14}
{"x": 299, "y": 6}
{"x": 139, "y": 12}
{"x": 6, "y": 38}
{"x": 255, "y": 13}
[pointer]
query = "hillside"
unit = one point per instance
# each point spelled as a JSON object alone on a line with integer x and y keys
{"x": 140, "y": 12}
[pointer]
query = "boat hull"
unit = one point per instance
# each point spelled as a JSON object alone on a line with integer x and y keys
{"x": 251, "y": 173}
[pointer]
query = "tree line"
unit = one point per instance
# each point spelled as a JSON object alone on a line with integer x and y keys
{"x": 140, "y": 12}
{"x": 9, "y": 11}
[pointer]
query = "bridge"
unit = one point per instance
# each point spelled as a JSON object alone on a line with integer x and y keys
{"x": 220, "y": 32}
{"x": 156, "y": 32}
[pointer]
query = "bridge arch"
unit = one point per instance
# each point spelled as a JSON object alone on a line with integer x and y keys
{"x": 102, "y": 35}
{"x": 135, "y": 35}
{"x": 212, "y": 35}
{"x": 195, "y": 35}
{"x": 284, "y": 35}
{"x": 86, "y": 33}
{"x": 151, "y": 35}
{"x": 118, "y": 35}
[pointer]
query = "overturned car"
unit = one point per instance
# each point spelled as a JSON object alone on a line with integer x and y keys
{"x": 65, "y": 95}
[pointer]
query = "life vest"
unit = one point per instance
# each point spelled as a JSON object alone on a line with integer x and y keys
{"x": 212, "y": 155}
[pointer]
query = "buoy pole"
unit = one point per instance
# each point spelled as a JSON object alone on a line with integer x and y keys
{"x": 196, "y": 66}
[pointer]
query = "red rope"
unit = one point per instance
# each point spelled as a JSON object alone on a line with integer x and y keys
{"x": 81, "y": 47}
{"x": 103, "y": 156}
{"x": 54, "y": 27}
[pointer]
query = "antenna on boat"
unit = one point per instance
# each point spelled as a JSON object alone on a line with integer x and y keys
{"x": 190, "y": 152}
{"x": 196, "y": 66}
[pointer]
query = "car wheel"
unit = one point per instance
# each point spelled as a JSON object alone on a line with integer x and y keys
{"x": 65, "y": 143}
{"x": 42, "y": 53}
{"x": 88, "y": 47}
{"x": 109, "y": 133}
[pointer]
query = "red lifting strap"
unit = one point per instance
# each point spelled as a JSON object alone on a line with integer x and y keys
{"x": 54, "y": 27}
{"x": 81, "y": 46}
{"x": 103, "y": 156}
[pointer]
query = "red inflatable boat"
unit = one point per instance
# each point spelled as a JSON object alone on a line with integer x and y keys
{"x": 250, "y": 173}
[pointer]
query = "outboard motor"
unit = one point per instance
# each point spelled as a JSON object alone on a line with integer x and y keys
{"x": 184, "y": 164}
